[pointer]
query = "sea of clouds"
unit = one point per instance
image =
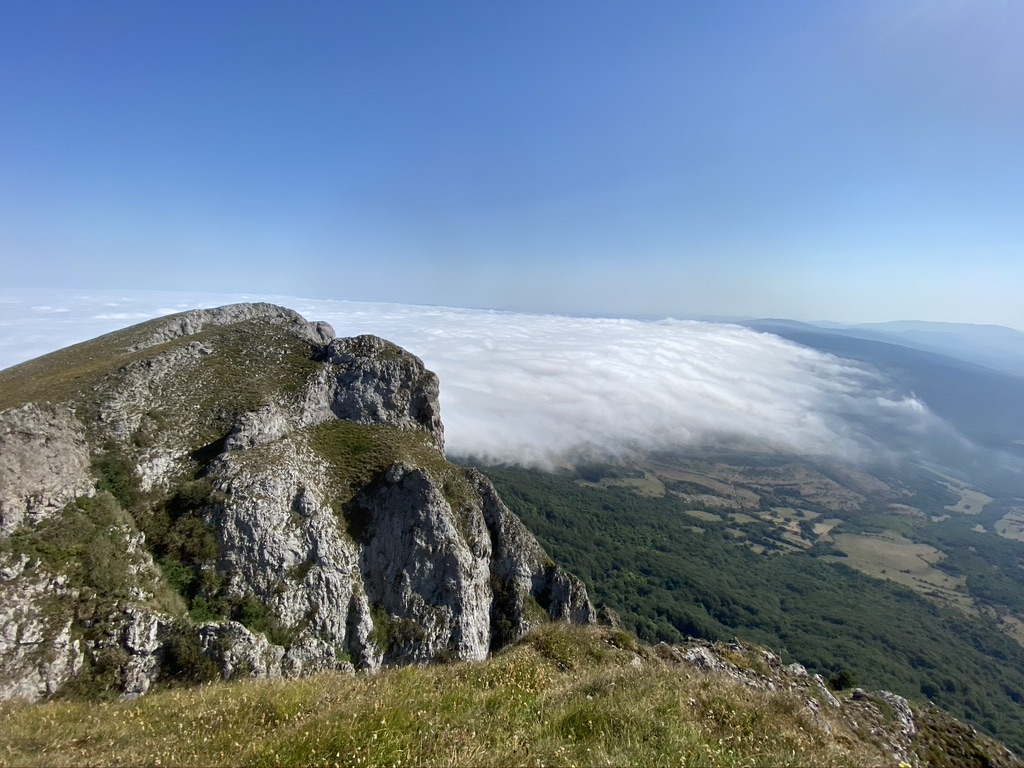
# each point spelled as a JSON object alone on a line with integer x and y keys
{"x": 546, "y": 389}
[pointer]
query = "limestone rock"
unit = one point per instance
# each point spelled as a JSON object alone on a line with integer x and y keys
{"x": 44, "y": 463}
{"x": 38, "y": 654}
{"x": 127, "y": 644}
{"x": 237, "y": 652}
{"x": 524, "y": 570}
{"x": 192, "y": 322}
{"x": 216, "y": 418}
{"x": 429, "y": 578}
{"x": 139, "y": 388}
{"x": 280, "y": 542}
{"x": 267, "y": 424}
{"x": 372, "y": 381}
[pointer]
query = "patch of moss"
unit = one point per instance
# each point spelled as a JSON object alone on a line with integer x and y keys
{"x": 391, "y": 634}
{"x": 358, "y": 454}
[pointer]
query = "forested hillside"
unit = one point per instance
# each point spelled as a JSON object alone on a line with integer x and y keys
{"x": 671, "y": 570}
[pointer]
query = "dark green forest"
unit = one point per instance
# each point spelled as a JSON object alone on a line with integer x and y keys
{"x": 670, "y": 575}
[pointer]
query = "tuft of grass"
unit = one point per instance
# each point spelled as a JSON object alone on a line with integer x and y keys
{"x": 562, "y": 696}
{"x": 359, "y": 453}
{"x": 87, "y": 543}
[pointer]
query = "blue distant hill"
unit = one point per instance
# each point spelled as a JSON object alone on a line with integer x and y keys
{"x": 983, "y": 403}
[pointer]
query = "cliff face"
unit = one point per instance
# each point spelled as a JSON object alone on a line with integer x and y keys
{"x": 237, "y": 492}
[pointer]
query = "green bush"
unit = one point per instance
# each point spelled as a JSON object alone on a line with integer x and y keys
{"x": 115, "y": 474}
{"x": 184, "y": 660}
{"x": 841, "y": 680}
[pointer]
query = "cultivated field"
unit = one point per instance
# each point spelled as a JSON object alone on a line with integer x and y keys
{"x": 893, "y": 557}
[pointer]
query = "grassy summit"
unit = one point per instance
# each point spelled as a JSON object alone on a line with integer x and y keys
{"x": 562, "y": 696}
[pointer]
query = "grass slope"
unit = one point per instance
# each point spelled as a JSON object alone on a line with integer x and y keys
{"x": 564, "y": 696}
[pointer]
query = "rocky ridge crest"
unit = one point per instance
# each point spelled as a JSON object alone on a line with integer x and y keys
{"x": 236, "y": 492}
{"x": 905, "y": 733}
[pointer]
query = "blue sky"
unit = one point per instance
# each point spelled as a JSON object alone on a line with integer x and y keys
{"x": 852, "y": 161}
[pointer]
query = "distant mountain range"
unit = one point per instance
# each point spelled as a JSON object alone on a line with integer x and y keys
{"x": 982, "y": 401}
{"x": 994, "y": 346}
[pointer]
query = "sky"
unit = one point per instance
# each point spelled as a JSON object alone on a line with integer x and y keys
{"x": 845, "y": 161}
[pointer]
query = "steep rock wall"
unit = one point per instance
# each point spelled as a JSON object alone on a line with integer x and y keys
{"x": 380, "y": 552}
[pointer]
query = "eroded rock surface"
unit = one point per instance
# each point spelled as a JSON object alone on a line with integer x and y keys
{"x": 210, "y": 430}
{"x": 371, "y": 381}
{"x": 911, "y": 735}
{"x": 44, "y": 463}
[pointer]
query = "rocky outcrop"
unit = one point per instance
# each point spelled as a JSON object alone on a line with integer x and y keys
{"x": 281, "y": 543}
{"x": 402, "y": 577}
{"x": 38, "y": 652}
{"x": 141, "y": 385}
{"x": 910, "y": 735}
{"x": 237, "y": 652}
{"x": 194, "y": 321}
{"x": 255, "y": 428}
{"x": 220, "y": 441}
{"x": 525, "y": 570}
{"x": 371, "y": 381}
{"x": 425, "y": 567}
{"x": 44, "y": 463}
{"x": 126, "y": 644}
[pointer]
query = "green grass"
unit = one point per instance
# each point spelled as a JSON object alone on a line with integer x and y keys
{"x": 563, "y": 696}
{"x": 250, "y": 363}
{"x": 359, "y": 453}
{"x": 62, "y": 375}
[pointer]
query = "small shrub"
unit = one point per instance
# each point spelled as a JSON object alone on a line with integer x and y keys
{"x": 115, "y": 474}
{"x": 177, "y": 574}
{"x": 255, "y": 615}
{"x": 100, "y": 676}
{"x": 842, "y": 680}
{"x": 184, "y": 660}
{"x": 202, "y": 610}
{"x": 105, "y": 565}
{"x": 299, "y": 572}
{"x": 392, "y": 634}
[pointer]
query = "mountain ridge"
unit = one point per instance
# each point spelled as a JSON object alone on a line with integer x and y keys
{"x": 236, "y": 491}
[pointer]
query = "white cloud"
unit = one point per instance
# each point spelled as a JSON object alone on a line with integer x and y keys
{"x": 543, "y": 388}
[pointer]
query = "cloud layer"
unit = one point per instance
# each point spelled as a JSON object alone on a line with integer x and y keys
{"x": 544, "y": 389}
